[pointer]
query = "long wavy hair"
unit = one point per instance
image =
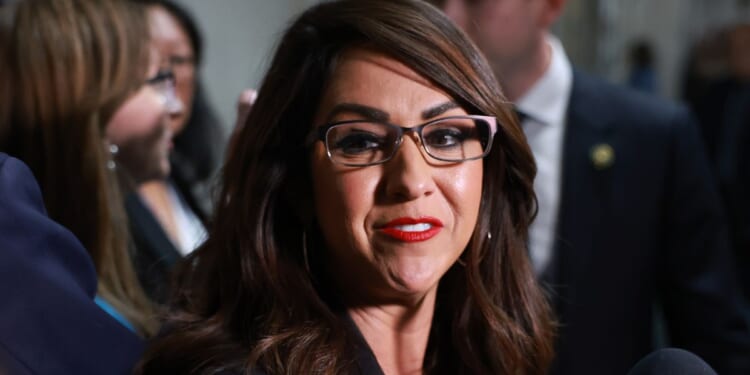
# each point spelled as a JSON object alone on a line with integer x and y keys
{"x": 67, "y": 65}
{"x": 249, "y": 298}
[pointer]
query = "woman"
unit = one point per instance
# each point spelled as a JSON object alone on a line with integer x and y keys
{"x": 369, "y": 221}
{"x": 168, "y": 217}
{"x": 85, "y": 106}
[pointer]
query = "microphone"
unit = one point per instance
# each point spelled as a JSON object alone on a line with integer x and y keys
{"x": 671, "y": 361}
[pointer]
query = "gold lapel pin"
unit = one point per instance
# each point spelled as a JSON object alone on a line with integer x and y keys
{"x": 602, "y": 156}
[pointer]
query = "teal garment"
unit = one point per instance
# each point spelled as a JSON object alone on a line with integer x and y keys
{"x": 114, "y": 313}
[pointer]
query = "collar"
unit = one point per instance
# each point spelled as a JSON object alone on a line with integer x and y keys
{"x": 547, "y": 100}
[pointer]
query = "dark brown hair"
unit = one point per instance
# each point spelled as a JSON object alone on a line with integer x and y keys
{"x": 67, "y": 65}
{"x": 247, "y": 298}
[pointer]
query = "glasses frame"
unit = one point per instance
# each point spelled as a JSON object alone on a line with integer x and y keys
{"x": 322, "y": 135}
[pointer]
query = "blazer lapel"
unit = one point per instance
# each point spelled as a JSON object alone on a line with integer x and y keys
{"x": 589, "y": 158}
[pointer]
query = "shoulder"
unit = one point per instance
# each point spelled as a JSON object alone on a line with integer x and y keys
{"x": 637, "y": 119}
{"x": 619, "y": 104}
{"x": 47, "y": 284}
{"x": 20, "y": 196}
{"x": 28, "y": 234}
{"x": 16, "y": 177}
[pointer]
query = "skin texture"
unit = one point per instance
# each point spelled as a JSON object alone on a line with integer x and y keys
{"x": 140, "y": 129}
{"x": 176, "y": 52}
{"x": 397, "y": 279}
{"x": 511, "y": 35}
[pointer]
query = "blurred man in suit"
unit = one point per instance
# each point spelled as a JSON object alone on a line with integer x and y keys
{"x": 628, "y": 216}
{"x": 49, "y": 323}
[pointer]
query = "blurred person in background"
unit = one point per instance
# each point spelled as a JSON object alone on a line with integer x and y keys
{"x": 376, "y": 221}
{"x": 168, "y": 217}
{"x": 642, "y": 74}
{"x": 723, "y": 108}
{"x": 629, "y": 217}
{"x": 87, "y": 108}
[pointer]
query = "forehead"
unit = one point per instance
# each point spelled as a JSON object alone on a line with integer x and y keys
{"x": 165, "y": 26}
{"x": 368, "y": 77}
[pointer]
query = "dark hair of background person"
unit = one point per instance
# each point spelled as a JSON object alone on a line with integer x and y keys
{"x": 198, "y": 147}
{"x": 247, "y": 298}
{"x": 67, "y": 66}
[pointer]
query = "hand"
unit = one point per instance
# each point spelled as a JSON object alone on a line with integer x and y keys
{"x": 244, "y": 105}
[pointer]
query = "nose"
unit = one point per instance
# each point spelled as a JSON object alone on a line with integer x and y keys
{"x": 172, "y": 103}
{"x": 408, "y": 175}
{"x": 174, "y": 106}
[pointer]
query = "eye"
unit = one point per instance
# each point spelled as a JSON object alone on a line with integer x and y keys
{"x": 444, "y": 137}
{"x": 357, "y": 143}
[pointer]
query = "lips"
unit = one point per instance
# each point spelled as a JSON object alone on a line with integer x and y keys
{"x": 409, "y": 229}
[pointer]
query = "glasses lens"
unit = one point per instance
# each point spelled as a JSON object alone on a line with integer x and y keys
{"x": 361, "y": 143}
{"x": 457, "y": 138}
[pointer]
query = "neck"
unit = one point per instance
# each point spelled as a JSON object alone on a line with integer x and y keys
{"x": 517, "y": 78}
{"x": 397, "y": 334}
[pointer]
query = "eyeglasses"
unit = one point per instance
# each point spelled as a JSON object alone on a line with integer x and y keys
{"x": 163, "y": 82}
{"x": 360, "y": 143}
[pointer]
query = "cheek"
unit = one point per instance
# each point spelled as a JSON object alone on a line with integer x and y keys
{"x": 185, "y": 91}
{"x": 343, "y": 199}
{"x": 462, "y": 187}
{"x": 140, "y": 116}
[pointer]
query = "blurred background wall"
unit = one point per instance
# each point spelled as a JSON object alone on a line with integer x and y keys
{"x": 597, "y": 33}
{"x": 241, "y": 34}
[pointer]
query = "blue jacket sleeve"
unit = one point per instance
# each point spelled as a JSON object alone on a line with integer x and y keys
{"x": 49, "y": 323}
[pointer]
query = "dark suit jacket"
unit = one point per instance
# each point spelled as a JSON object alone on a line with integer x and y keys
{"x": 49, "y": 323}
{"x": 724, "y": 114}
{"x": 646, "y": 230}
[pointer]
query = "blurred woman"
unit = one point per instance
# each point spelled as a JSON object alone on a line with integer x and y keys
{"x": 86, "y": 107}
{"x": 168, "y": 217}
{"x": 373, "y": 216}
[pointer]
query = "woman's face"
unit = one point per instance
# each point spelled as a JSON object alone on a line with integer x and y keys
{"x": 177, "y": 53}
{"x": 140, "y": 130}
{"x": 392, "y": 229}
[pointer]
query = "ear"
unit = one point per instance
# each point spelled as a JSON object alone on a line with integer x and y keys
{"x": 552, "y": 11}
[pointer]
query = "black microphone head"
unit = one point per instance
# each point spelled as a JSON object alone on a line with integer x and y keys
{"x": 671, "y": 361}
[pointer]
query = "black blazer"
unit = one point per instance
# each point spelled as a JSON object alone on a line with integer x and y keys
{"x": 49, "y": 323}
{"x": 154, "y": 255}
{"x": 644, "y": 230}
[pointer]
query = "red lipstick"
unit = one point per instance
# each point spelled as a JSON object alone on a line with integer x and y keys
{"x": 409, "y": 229}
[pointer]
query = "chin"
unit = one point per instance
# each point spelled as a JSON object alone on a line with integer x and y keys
{"x": 416, "y": 278}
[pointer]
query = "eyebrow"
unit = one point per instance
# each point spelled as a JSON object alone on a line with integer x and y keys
{"x": 438, "y": 110}
{"x": 375, "y": 114}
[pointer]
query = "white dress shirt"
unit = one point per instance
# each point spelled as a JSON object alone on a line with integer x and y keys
{"x": 545, "y": 105}
{"x": 190, "y": 229}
